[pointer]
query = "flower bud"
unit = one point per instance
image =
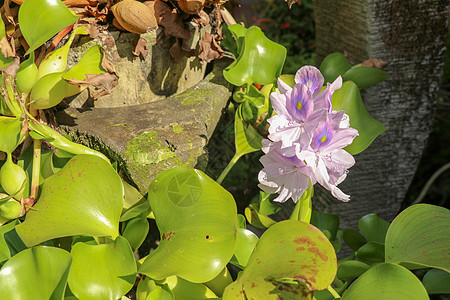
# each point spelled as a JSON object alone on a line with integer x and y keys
{"x": 11, "y": 209}
{"x": 12, "y": 178}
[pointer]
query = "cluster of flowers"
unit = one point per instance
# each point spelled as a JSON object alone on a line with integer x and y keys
{"x": 306, "y": 138}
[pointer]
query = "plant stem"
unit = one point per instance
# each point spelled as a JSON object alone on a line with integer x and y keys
{"x": 36, "y": 169}
{"x": 228, "y": 168}
{"x": 333, "y": 292}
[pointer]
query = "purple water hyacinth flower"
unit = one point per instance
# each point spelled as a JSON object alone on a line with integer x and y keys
{"x": 306, "y": 139}
{"x": 289, "y": 177}
{"x": 329, "y": 162}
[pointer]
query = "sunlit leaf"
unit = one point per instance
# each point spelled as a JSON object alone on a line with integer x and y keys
{"x": 218, "y": 284}
{"x": 197, "y": 221}
{"x": 105, "y": 271}
{"x": 349, "y": 99}
{"x": 90, "y": 63}
{"x": 247, "y": 139}
{"x": 371, "y": 251}
{"x": 238, "y": 32}
{"x": 41, "y": 19}
{"x": 245, "y": 243}
{"x": 27, "y": 75}
{"x": 334, "y": 65}
{"x": 419, "y": 237}
{"x": 385, "y": 282}
{"x": 84, "y": 198}
{"x": 291, "y": 260}
{"x": 183, "y": 289}
{"x": 5, "y": 253}
{"x": 136, "y": 231}
{"x": 364, "y": 77}
{"x": 260, "y": 61}
{"x": 255, "y": 218}
{"x": 35, "y": 273}
{"x": 10, "y": 134}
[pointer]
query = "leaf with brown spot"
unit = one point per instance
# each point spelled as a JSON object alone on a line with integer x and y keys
{"x": 280, "y": 268}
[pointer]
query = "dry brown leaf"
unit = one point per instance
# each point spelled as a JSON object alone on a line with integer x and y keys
{"x": 139, "y": 47}
{"x": 374, "y": 63}
{"x": 105, "y": 82}
{"x": 180, "y": 50}
{"x": 78, "y": 3}
{"x": 173, "y": 25}
{"x": 12, "y": 68}
{"x": 209, "y": 48}
{"x": 160, "y": 8}
{"x": 191, "y": 7}
{"x": 290, "y": 2}
{"x": 7, "y": 48}
{"x": 203, "y": 18}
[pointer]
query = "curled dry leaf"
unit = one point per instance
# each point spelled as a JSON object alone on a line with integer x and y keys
{"x": 173, "y": 24}
{"x": 8, "y": 49}
{"x": 374, "y": 63}
{"x": 191, "y": 6}
{"x": 134, "y": 16}
{"x": 203, "y": 18}
{"x": 209, "y": 48}
{"x": 12, "y": 68}
{"x": 159, "y": 8}
{"x": 139, "y": 47}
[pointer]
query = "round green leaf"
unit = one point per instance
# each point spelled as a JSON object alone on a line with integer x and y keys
{"x": 291, "y": 260}
{"x": 84, "y": 198}
{"x": 106, "y": 271}
{"x": 136, "y": 231}
{"x": 183, "y": 289}
{"x": 420, "y": 235}
{"x": 90, "y": 63}
{"x": 348, "y": 98}
{"x": 27, "y": 74}
{"x": 260, "y": 61}
{"x": 350, "y": 269}
{"x": 36, "y": 273}
{"x": 386, "y": 282}
{"x": 353, "y": 239}
{"x": 371, "y": 251}
{"x": 39, "y": 20}
{"x": 197, "y": 221}
{"x": 373, "y": 228}
{"x": 334, "y": 65}
{"x": 437, "y": 282}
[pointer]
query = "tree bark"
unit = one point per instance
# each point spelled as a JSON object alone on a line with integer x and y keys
{"x": 411, "y": 36}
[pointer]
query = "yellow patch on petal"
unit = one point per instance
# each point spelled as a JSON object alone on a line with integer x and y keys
{"x": 299, "y": 105}
{"x": 324, "y": 138}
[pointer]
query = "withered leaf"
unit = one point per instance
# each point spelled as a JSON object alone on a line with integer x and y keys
{"x": 139, "y": 47}
{"x": 290, "y": 2}
{"x": 105, "y": 82}
{"x": 209, "y": 48}
{"x": 7, "y": 48}
{"x": 374, "y": 63}
{"x": 173, "y": 25}
{"x": 203, "y": 18}
{"x": 12, "y": 68}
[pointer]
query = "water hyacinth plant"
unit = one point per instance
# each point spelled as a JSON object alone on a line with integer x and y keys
{"x": 71, "y": 228}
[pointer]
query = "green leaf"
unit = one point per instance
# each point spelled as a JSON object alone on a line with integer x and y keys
{"x": 255, "y": 218}
{"x": 260, "y": 61}
{"x": 385, "y": 282}
{"x": 228, "y": 41}
{"x": 373, "y": 228}
{"x": 56, "y": 61}
{"x": 245, "y": 243}
{"x": 371, "y": 251}
{"x": 197, "y": 221}
{"x": 265, "y": 206}
{"x": 132, "y": 195}
{"x": 349, "y": 99}
{"x": 50, "y": 90}
{"x": 183, "y": 289}
{"x": 238, "y": 31}
{"x": 350, "y": 269}
{"x": 84, "y": 198}
{"x": 136, "y": 231}
{"x": 334, "y": 65}
{"x": 291, "y": 260}
{"x": 105, "y": 271}
{"x": 5, "y": 253}
{"x": 420, "y": 235}
{"x": 27, "y": 75}
{"x": 364, "y": 77}
{"x": 220, "y": 282}
{"x": 437, "y": 282}
{"x": 36, "y": 273}
{"x": 41, "y": 19}
{"x": 10, "y": 135}
{"x": 90, "y": 63}
{"x": 353, "y": 239}
{"x": 247, "y": 139}
{"x": 325, "y": 221}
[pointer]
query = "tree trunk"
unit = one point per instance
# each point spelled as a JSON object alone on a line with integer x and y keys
{"x": 411, "y": 36}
